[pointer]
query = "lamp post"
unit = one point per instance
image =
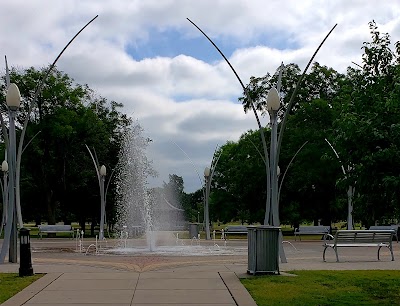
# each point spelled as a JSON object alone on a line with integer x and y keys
{"x": 282, "y": 129}
{"x": 102, "y": 172}
{"x": 273, "y": 105}
{"x": 4, "y": 168}
{"x": 350, "y": 190}
{"x": 13, "y": 100}
{"x": 207, "y": 180}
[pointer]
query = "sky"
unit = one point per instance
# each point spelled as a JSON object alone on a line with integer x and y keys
{"x": 148, "y": 56}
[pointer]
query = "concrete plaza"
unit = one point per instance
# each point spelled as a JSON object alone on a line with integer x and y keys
{"x": 73, "y": 278}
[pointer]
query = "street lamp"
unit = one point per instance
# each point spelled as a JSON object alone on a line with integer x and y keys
{"x": 13, "y": 99}
{"x": 288, "y": 109}
{"x": 350, "y": 190}
{"x": 102, "y": 172}
{"x": 273, "y": 105}
{"x": 207, "y": 179}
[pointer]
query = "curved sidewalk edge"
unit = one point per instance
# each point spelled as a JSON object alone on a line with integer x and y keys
{"x": 27, "y": 293}
{"x": 239, "y": 293}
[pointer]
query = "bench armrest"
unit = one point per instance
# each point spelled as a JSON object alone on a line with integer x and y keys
{"x": 328, "y": 237}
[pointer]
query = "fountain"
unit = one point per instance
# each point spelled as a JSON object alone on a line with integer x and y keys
{"x": 146, "y": 220}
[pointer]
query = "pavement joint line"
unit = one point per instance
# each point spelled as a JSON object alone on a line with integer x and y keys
{"x": 134, "y": 291}
{"x": 229, "y": 290}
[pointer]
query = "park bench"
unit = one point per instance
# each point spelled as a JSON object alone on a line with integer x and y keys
{"x": 310, "y": 230}
{"x": 235, "y": 229}
{"x": 394, "y": 227}
{"x": 360, "y": 238}
{"x": 54, "y": 229}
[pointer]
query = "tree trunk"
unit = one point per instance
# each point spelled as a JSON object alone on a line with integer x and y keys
{"x": 51, "y": 212}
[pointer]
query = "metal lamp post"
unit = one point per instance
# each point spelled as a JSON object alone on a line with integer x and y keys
{"x": 350, "y": 190}
{"x": 13, "y": 100}
{"x": 282, "y": 129}
{"x": 273, "y": 105}
{"x": 102, "y": 172}
{"x": 207, "y": 179}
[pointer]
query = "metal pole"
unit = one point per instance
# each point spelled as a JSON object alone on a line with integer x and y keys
{"x": 13, "y": 157}
{"x": 5, "y": 202}
{"x": 207, "y": 214}
{"x": 274, "y": 217}
{"x": 350, "y": 190}
{"x": 10, "y": 233}
{"x": 350, "y": 193}
{"x": 102, "y": 179}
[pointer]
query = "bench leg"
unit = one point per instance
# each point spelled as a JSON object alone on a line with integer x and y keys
{"x": 337, "y": 255}
{"x": 391, "y": 251}
{"x": 323, "y": 254}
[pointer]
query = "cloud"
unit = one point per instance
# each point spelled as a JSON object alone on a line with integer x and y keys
{"x": 148, "y": 56}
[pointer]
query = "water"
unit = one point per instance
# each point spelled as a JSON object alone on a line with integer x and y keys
{"x": 151, "y": 220}
{"x": 141, "y": 210}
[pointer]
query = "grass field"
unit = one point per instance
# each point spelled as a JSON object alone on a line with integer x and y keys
{"x": 11, "y": 284}
{"x": 371, "y": 287}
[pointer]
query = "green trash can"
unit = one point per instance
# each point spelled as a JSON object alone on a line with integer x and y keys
{"x": 263, "y": 249}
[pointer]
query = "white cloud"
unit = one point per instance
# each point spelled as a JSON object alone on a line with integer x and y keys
{"x": 183, "y": 99}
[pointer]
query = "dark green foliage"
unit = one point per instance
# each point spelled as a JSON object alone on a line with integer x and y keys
{"x": 58, "y": 179}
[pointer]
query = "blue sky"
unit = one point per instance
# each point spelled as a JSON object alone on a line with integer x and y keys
{"x": 147, "y": 55}
{"x": 172, "y": 42}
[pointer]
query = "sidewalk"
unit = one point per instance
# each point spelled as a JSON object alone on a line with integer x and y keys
{"x": 75, "y": 279}
{"x": 127, "y": 288}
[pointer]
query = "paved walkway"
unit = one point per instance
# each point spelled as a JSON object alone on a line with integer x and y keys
{"x": 75, "y": 279}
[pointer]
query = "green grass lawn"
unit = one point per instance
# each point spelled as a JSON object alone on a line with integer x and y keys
{"x": 11, "y": 284}
{"x": 370, "y": 287}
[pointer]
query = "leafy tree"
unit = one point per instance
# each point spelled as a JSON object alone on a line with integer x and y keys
{"x": 367, "y": 130}
{"x": 58, "y": 179}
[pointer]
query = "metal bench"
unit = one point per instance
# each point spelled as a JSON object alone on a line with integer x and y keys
{"x": 394, "y": 227}
{"x": 360, "y": 238}
{"x": 235, "y": 229}
{"x": 54, "y": 229}
{"x": 311, "y": 230}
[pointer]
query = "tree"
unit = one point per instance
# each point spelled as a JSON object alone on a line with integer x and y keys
{"x": 56, "y": 175}
{"x": 367, "y": 130}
